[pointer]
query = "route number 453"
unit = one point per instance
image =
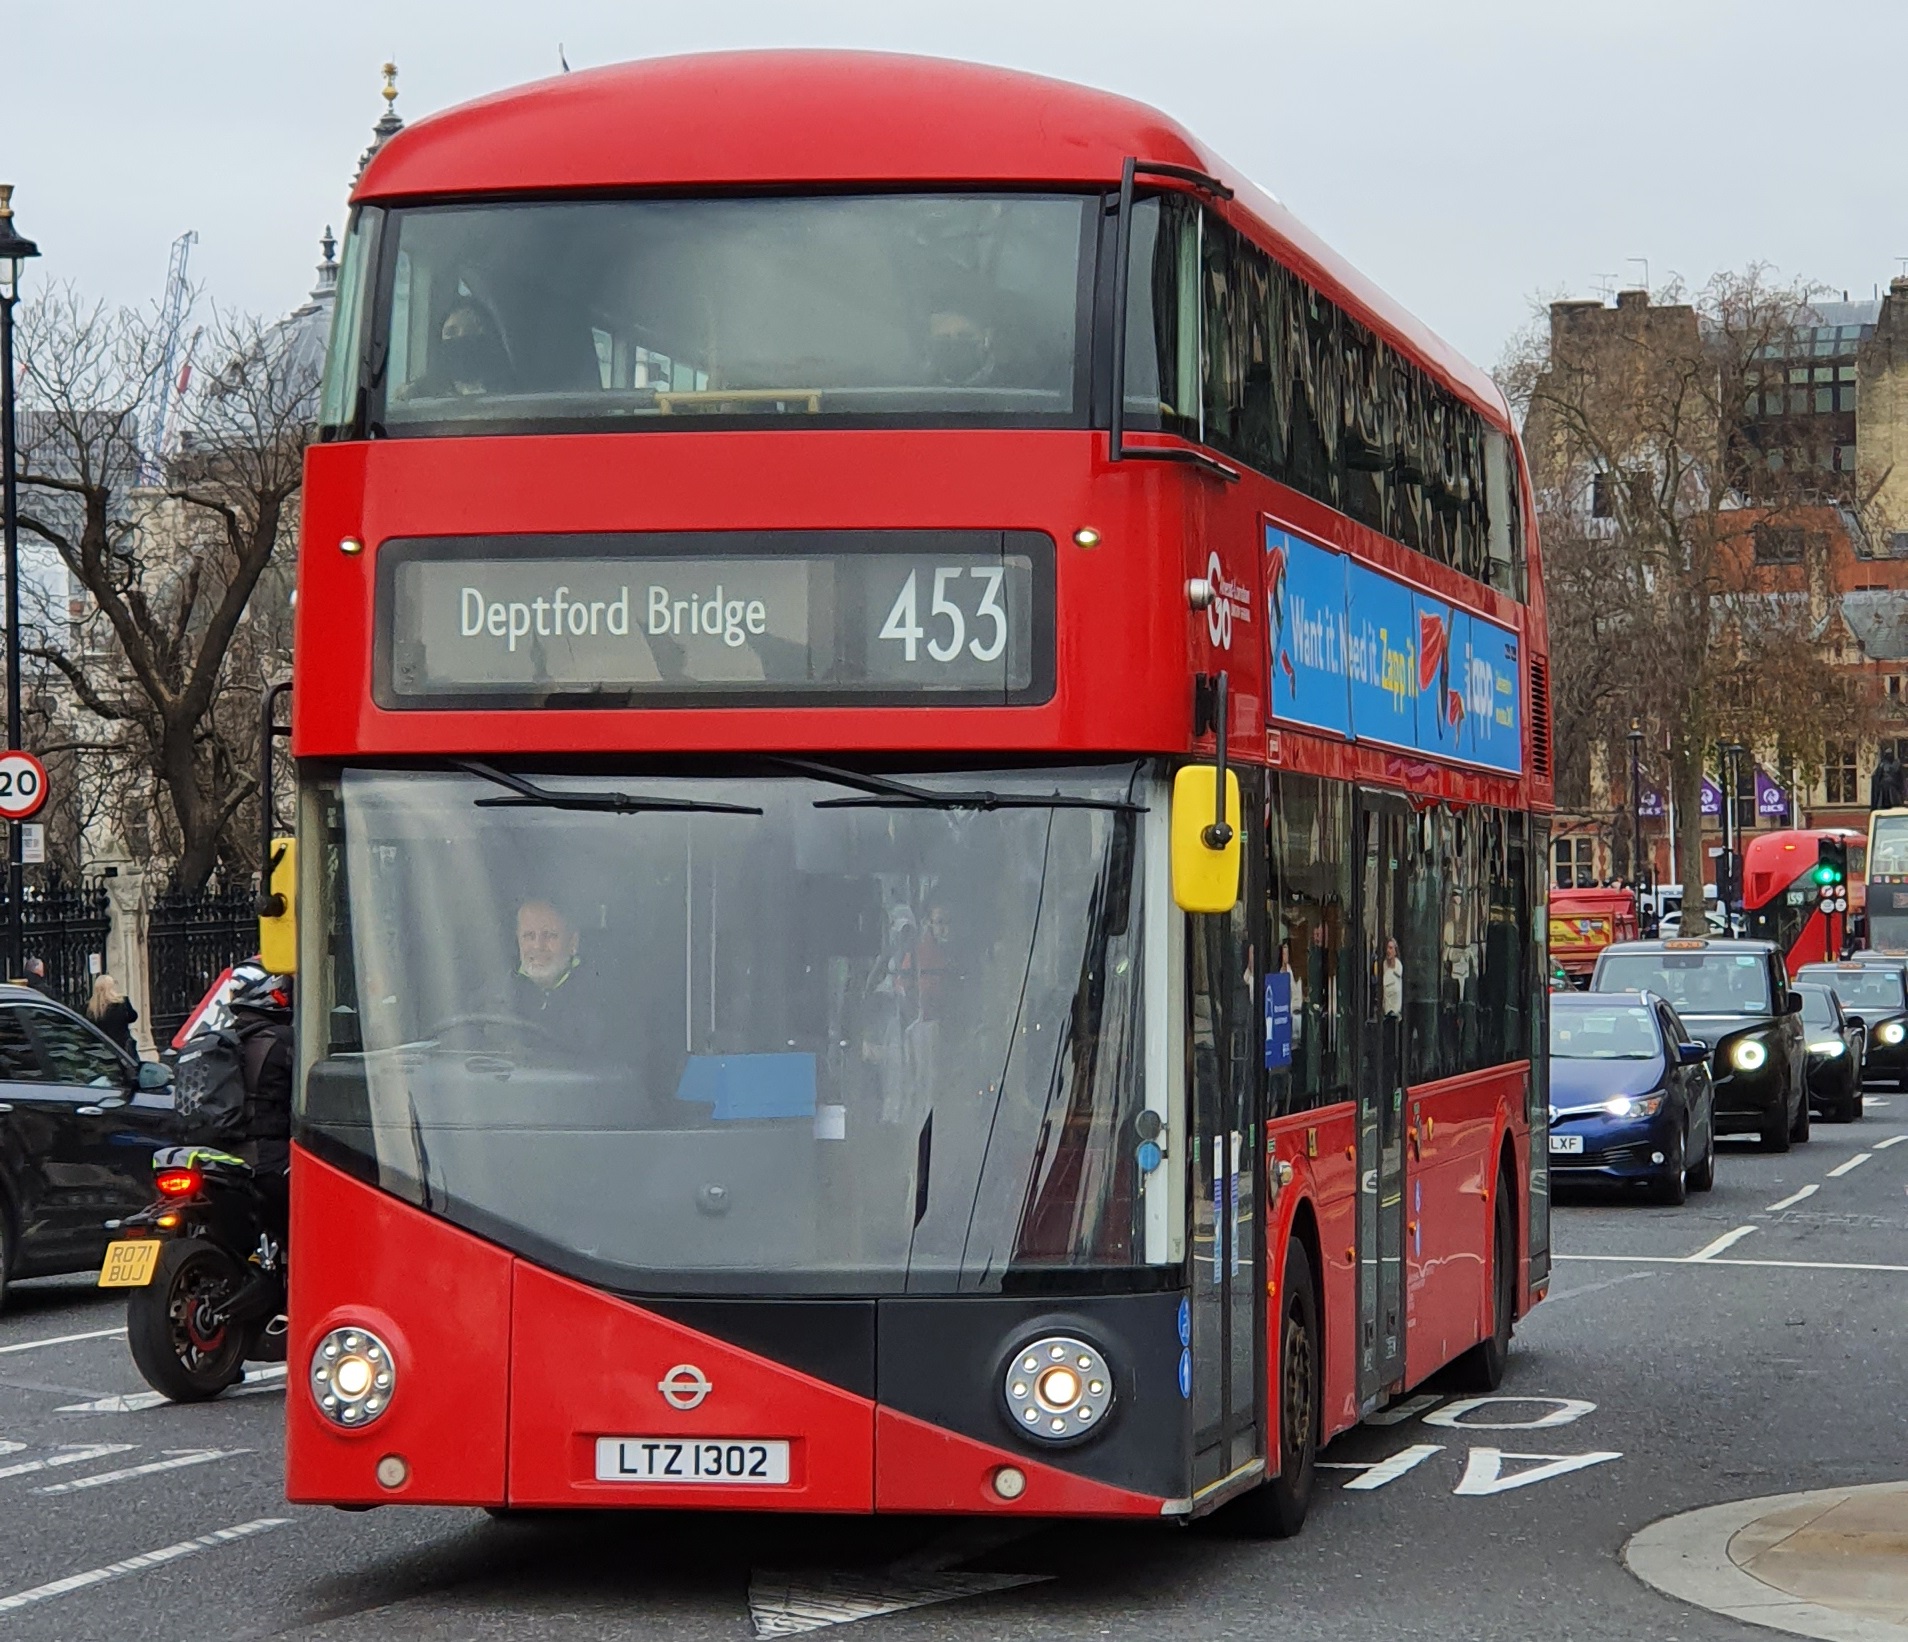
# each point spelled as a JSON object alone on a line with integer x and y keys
{"x": 950, "y": 617}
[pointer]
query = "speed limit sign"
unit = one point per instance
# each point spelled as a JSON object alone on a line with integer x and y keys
{"x": 22, "y": 786}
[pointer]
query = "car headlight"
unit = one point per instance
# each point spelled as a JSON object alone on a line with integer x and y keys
{"x": 1748, "y": 1055}
{"x": 1058, "y": 1389}
{"x": 1830, "y": 1047}
{"x": 1893, "y": 1032}
{"x": 1634, "y": 1105}
{"x": 352, "y": 1377}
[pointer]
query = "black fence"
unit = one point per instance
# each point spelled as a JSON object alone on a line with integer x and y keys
{"x": 63, "y": 925}
{"x": 191, "y": 935}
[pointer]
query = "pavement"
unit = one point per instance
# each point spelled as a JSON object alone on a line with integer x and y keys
{"x": 1710, "y": 1391}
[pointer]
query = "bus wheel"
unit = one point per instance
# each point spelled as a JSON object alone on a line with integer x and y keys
{"x": 1482, "y": 1367}
{"x": 1276, "y": 1508}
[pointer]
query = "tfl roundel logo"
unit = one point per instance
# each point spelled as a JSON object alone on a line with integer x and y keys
{"x": 684, "y": 1386}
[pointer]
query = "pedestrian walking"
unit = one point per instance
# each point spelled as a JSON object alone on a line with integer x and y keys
{"x": 112, "y": 1012}
{"x": 36, "y": 977}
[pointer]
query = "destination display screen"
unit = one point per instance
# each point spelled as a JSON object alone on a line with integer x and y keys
{"x": 869, "y": 617}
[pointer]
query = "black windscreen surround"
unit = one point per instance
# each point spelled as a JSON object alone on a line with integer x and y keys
{"x": 731, "y": 618}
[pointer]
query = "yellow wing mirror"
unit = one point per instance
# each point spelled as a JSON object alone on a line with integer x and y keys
{"x": 278, "y": 909}
{"x": 1206, "y": 850}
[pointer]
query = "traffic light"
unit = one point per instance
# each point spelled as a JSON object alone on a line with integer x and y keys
{"x": 1831, "y": 874}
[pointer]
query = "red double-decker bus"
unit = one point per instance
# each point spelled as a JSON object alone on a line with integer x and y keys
{"x": 922, "y": 750}
{"x": 1783, "y": 902}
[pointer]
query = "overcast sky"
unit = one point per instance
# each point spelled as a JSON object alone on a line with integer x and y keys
{"x": 1470, "y": 155}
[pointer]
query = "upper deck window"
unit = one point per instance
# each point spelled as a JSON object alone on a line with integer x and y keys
{"x": 962, "y": 309}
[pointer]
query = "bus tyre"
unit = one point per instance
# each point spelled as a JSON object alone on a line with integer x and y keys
{"x": 1276, "y": 1508}
{"x": 1482, "y": 1367}
{"x": 177, "y": 1349}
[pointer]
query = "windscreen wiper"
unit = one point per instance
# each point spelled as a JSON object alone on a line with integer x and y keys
{"x": 884, "y": 792}
{"x": 527, "y": 794}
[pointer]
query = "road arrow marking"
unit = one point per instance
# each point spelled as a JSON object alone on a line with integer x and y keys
{"x": 67, "y": 1456}
{"x": 783, "y": 1604}
{"x": 1483, "y": 1470}
{"x": 138, "y": 1564}
{"x": 269, "y": 1378}
{"x": 181, "y": 1458}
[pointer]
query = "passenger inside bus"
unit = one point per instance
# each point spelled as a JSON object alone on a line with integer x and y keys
{"x": 469, "y": 357}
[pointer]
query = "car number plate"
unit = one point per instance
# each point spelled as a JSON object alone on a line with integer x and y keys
{"x": 129, "y": 1263}
{"x": 1566, "y": 1143}
{"x": 679, "y": 1459}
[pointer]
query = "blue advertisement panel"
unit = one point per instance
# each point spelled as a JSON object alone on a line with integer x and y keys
{"x": 1363, "y": 656}
{"x": 1278, "y": 1022}
{"x": 1305, "y": 624}
{"x": 1383, "y": 658}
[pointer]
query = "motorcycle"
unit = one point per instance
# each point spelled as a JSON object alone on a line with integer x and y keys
{"x": 206, "y": 1276}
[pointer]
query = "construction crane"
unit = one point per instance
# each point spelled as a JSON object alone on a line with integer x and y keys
{"x": 167, "y": 381}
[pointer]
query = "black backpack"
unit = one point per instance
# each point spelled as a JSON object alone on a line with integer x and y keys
{"x": 217, "y": 1071}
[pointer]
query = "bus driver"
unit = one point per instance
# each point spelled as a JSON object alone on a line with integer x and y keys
{"x": 550, "y": 987}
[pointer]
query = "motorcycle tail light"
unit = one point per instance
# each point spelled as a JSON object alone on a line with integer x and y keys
{"x": 179, "y": 1182}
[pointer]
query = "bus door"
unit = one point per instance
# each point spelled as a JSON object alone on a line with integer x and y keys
{"x": 1384, "y": 841}
{"x": 1228, "y": 1240}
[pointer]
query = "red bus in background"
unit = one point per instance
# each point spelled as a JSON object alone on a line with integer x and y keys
{"x": 924, "y": 757}
{"x": 1780, "y": 899}
{"x": 1584, "y": 921}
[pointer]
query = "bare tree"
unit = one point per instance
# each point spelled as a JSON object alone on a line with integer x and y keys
{"x": 1645, "y": 481}
{"x": 166, "y": 648}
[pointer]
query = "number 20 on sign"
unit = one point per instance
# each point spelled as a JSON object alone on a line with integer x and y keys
{"x": 22, "y": 786}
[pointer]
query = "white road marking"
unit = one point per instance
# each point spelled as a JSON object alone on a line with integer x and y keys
{"x": 1892, "y": 1140}
{"x": 1853, "y": 1163}
{"x": 1398, "y": 1413}
{"x": 1483, "y": 1470}
{"x": 1793, "y": 1198}
{"x": 1877, "y": 1100}
{"x": 1684, "y": 1260}
{"x": 1383, "y": 1471}
{"x": 1558, "y": 1296}
{"x": 268, "y": 1378}
{"x": 64, "y": 1340}
{"x": 1728, "y": 1240}
{"x": 789, "y": 1604}
{"x": 67, "y": 1456}
{"x": 138, "y": 1564}
{"x": 181, "y": 1458}
{"x": 1566, "y": 1411}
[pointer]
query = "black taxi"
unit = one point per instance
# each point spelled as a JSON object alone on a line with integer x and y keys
{"x": 1875, "y": 987}
{"x": 1735, "y": 997}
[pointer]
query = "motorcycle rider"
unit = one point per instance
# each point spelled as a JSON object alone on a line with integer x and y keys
{"x": 261, "y": 1005}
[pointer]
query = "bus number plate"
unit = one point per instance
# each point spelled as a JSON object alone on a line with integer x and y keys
{"x": 678, "y": 1459}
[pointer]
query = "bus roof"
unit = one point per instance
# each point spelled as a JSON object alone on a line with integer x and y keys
{"x": 778, "y": 119}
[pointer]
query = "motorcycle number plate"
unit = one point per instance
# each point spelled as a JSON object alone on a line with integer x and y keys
{"x": 129, "y": 1263}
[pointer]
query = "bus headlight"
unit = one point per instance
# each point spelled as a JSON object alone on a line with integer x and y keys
{"x": 1748, "y": 1055}
{"x": 1058, "y": 1388}
{"x": 352, "y": 1377}
{"x": 1892, "y": 1033}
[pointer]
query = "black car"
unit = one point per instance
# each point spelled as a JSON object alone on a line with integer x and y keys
{"x": 1630, "y": 1095}
{"x": 79, "y": 1122}
{"x": 1735, "y": 997}
{"x": 1875, "y": 987}
{"x": 1836, "y": 1040}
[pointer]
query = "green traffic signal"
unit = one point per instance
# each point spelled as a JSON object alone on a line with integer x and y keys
{"x": 1826, "y": 872}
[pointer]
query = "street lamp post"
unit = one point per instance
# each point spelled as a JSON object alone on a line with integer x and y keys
{"x": 14, "y": 252}
{"x": 1636, "y": 806}
{"x": 1732, "y": 826}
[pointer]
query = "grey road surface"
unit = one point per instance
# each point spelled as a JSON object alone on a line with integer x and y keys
{"x": 1749, "y": 1343}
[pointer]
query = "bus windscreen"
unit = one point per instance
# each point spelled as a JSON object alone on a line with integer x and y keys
{"x": 677, "y": 1034}
{"x": 645, "y": 311}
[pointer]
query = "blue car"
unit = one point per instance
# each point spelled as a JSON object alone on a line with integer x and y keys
{"x": 1630, "y": 1095}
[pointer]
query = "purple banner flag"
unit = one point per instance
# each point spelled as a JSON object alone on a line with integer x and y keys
{"x": 1771, "y": 801}
{"x": 1712, "y": 797}
{"x": 1652, "y": 807}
